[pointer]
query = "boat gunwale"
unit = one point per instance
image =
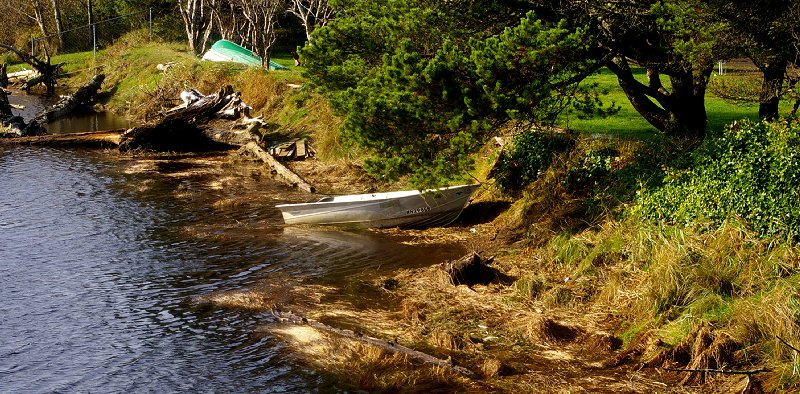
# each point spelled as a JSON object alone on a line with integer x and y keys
{"x": 379, "y": 197}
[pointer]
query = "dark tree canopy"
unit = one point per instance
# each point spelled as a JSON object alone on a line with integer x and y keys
{"x": 767, "y": 32}
{"x": 424, "y": 84}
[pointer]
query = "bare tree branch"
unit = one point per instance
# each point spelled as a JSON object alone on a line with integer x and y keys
{"x": 48, "y": 72}
{"x": 262, "y": 19}
{"x": 312, "y": 13}
{"x": 198, "y": 21}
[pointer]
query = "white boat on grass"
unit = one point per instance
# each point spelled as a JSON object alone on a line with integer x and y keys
{"x": 406, "y": 209}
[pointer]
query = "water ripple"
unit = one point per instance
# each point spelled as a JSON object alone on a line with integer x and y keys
{"x": 97, "y": 263}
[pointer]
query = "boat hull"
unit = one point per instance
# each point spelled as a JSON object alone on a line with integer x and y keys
{"x": 227, "y": 51}
{"x": 406, "y": 209}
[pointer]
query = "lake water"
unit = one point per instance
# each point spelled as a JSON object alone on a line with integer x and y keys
{"x": 82, "y": 119}
{"x": 102, "y": 255}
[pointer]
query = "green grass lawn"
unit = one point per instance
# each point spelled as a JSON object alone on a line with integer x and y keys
{"x": 72, "y": 61}
{"x": 629, "y": 124}
{"x": 81, "y": 61}
{"x": 626, "y": 124}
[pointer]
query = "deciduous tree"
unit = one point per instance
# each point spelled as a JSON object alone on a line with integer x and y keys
{"x": 197, "y": 20}
{"x": 312, "y": 13}
{"x": 59, "y": 22}
{"x": 262, "y": 17}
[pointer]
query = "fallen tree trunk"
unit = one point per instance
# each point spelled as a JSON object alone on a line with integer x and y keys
{"x": 94, "y": 139}
{"x": 5, "y": 106}
{"x": 10, "y": 125}
{"x": 83, "y": 95}
{"x": 48, "y": 73}
{"x": 287, "y": 174}
{"x": 390, "y": 346}
{"x": 3, "y": 76}
{"x": 184, "y": 128}
{"x": 18, "y": 127}
{"x": 178, "y": 129}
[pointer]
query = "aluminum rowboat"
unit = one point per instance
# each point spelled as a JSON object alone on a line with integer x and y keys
{"x": 405, "y": 209}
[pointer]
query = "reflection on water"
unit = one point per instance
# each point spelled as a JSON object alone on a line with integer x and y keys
{"x": 32, "y": 104}
{"x": 101, "y": 255}
{"x": 81, "y": 120}
{"x": 87, "y": 120}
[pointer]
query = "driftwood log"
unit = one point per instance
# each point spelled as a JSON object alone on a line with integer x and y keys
{"x": 10, "y": 125}
{"x": 5, "y": 106}
{"x": 93, "y": 139}
{"x": 16, "y": 126}
{"x": 3, "y": 75}
{"x": 185, "y": 128}
{"x": 182, "y": 128}
{"x": 390, "y": 346}
{"x": 287, "y": 174}
{"x": 85, "y": 94}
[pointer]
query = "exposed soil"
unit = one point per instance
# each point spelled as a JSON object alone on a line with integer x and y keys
{"x": 511, "y": 343}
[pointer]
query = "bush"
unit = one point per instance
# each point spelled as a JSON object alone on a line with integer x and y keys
{"x": 591, "y": 170}
{"x": 529, "y": 155}
{"x": 750, "y": 171}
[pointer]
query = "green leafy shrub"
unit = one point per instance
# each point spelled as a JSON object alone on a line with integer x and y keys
{"x": 591, "y": 170}
{"x": 529, "y": 155}
{"x": 750, "y": 171}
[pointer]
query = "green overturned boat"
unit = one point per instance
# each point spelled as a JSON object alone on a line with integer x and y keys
{"x": 227, "y": 51}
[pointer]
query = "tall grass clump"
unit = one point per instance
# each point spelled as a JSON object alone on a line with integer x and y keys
{"x": 669, "y": 280}
{"x": 750, "y": 171}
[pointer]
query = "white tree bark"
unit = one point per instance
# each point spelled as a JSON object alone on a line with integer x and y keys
{"x": 38, "y": 16}
{"x": 312, "y": 14}
{"x": 226, "y": 18}
{"x": 262, "y": 19}
{"x": 197, "y": 20}
{"x": 59, "y": 22}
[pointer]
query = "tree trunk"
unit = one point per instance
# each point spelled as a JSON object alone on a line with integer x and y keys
{"x": 5, "y": 106}
{"x": 3, "y": 75}
{"x": 680, "y": 112}
{"x": 688, "y": 116}
{"x": 261, "y": 17}
{"x": 311, "y": 13}
{"x": 59, "y": 23}
{"x": 771, "y": 88}
{"x": 67, "y": 104}
{"x": 38, "y": 12}
{"x": 197, "y": 20}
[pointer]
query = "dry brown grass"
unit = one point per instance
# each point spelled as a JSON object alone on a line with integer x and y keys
{"x": 335, "y": 176}
{"x": 363, "y": 366}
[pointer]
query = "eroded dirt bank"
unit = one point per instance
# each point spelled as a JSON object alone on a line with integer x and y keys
{"x": 509, "y": 342}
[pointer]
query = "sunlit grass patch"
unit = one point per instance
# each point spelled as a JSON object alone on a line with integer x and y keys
{"x": 628, "y": 123}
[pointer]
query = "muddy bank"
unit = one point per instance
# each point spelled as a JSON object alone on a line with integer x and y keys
{"x": 511, "y": 342}
{"x": 507, "y": 342}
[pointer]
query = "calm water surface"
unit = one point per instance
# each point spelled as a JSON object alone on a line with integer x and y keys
{"x": 101, "y": 256}
{"x": 82, "y": 119}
